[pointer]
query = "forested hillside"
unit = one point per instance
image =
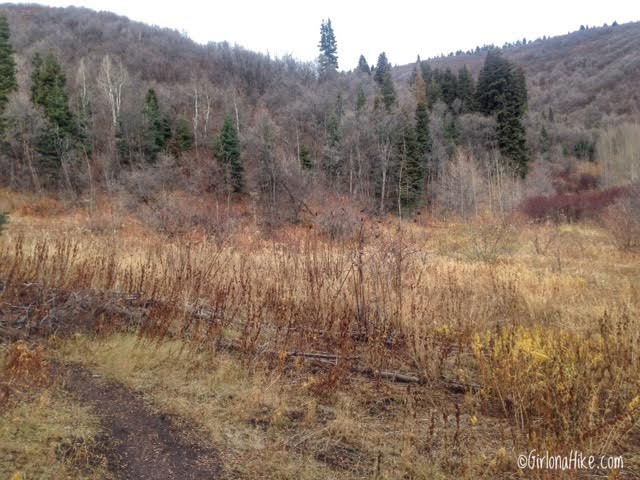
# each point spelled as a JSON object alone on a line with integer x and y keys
{"x": 105, "y": 104}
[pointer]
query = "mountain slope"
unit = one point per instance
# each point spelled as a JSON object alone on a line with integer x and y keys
{"x": 589, "y": 76}
{"x": 580, "y": 86}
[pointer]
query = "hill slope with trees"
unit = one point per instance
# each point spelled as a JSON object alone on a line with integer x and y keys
{"x": 95, "y": 101}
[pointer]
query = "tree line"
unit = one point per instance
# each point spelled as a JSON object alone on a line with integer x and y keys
{"x": 356, "y": 134}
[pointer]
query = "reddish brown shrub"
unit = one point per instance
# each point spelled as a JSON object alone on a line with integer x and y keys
{"x": 571, "y": 206}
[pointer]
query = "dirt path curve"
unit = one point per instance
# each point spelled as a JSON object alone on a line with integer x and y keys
{"x": 140, "y": 443}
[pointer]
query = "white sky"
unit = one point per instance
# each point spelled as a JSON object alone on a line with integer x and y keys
{"x": 402, "y": 28}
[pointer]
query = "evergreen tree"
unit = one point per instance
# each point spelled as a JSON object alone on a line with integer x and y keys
{"x": 382, "y": 70}
{"x": 466, "y": 90}
{"x": 8, "y": 81}
{"x": 328, "y": 59}
{"x": 502, "y": 91}
{"x": 48, "y": 91}
{"x": 305, "y": 158}
{"x": 518, "y": 90}
{"x": 434, "y": 92}
{"x": 424, "y": 144}
{"x": 59, "y": 137}
{"x": 512, "y": 138}
{"x": 409, "y": 171}
{"x": 388, "y": 92}
{"x": 449, "y": 87}
{"x": 332, "y": 150}
{"x": 122, "y": 146}
{"x": 83, "y": 119}
{"x": 416, "y": 147}
{"x": 157, "y": 128}
{"x": 383, "y": 78}
{"x": 183, "y": 137}
{"x": 228, "y": 151}
{"x": 361, "y": 101}
{"x": 363, "y": 66}
{"x": 545, "y": 142}
{"x": 427, "y": 72}
{"x": 4, "y": 219}
{"x": 492, "y": 83}
{"x": 451, "y": 132}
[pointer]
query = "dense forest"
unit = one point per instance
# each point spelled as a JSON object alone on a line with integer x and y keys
{"x": 93, "y": 103}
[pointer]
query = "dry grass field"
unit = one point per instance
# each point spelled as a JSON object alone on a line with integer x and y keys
{"x": 403, "y": 350}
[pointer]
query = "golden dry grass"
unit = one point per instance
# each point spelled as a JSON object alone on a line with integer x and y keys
{"x": 270, "y": 424}
{"x": 539, "y": 322}
{"x": 44, "y": 433}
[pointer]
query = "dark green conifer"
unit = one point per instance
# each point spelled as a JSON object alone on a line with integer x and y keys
{"x": 60, "y": 136}
{"x": 501, "y": 91}
{"x": 466, "y": 90}
{"x": 228, "y": 152}
{"x": 8, "y": 81}
{"x": 48, "y": 91}
{"x": 157, "y": 128}
{"x": 183, "y": 137}
{"x": 363, "y": 66}
{"x": 332, "y": 163}
{"x": 305, "y": 158}
{"x": 449, "y": 87}
{"x": 328, "y": 59}
{"x": 388, "y": 92}
{"x": 361, "y": 101}
{"x": 382, "y": 70}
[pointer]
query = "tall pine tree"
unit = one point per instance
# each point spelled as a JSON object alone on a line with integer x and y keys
{"x": 493, "y": 83}
{"x": 60, "y": 136}
{"x": 383, "y": 68}
{"x": 7, "y": 68}
{"x": 407, "y": 168}
{"x": 466, "y": 90}
{"x": 157, "y": 128}
{"x": 49, "y": 91}
{"x": 363, "y": 66}
{"x": 228, "y": 152}
{"x": 383, "y": 78}
{"x": 418, "y": 145}
{"x": 502, "y": 92}
{"x": 332, "y": 155}
{"x": 328, "y": 59}
{"x": 449, "y": 87}
{"x": 388, "y": 92}
{"x": 361, "y": 101}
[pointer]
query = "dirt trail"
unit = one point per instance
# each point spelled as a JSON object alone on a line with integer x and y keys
{"x": 140, "y": 443}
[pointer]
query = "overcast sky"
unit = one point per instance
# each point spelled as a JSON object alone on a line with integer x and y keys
{"x": 402, "y": 28}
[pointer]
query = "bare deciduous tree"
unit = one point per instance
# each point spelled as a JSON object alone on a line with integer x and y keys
{"x": 112, "y": 78}
{"x": 619, "y": 154}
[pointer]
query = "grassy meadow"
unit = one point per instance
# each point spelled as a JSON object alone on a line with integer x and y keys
{"x": 415, "y": 350}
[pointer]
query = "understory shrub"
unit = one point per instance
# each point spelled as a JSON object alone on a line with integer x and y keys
{"x": 571, "y": 206}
